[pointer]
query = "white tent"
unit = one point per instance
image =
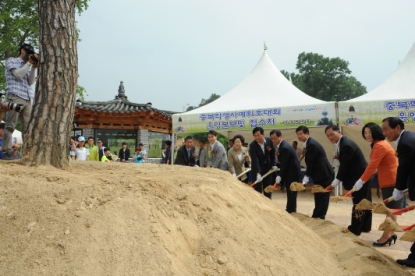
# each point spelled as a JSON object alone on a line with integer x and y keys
{"x": 264, "y": 93}
{"x": 400, "y": 85}
{"x": 17, "y": 136}
{"x": 265, "y": 86}
{"x": 264, "y": 98}
{"x": 395, "y": 97}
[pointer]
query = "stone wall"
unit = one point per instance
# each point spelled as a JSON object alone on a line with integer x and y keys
{"x": 88, "y": 132}
{"x": 142, "y": 137}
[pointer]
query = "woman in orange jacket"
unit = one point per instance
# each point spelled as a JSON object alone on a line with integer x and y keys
{"x": 384, "y": 162}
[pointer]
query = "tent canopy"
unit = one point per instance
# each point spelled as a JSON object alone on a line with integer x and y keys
{"x": 264, "y": 87}
{"x": 400, "y": 85}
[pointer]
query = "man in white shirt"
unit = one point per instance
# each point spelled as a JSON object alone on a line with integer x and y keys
{"x": 81, "y": 152}
{"x": 20, "y": 75}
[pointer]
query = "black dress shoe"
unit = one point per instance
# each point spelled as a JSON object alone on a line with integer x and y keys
{"x": 406, "y": 262}
{"x": 388, "y": 241}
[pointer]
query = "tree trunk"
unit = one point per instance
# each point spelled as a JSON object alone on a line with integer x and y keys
{"x": 47, "y": 137}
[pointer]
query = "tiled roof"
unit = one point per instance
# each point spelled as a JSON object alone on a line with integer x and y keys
{"x": 120, "y": 105}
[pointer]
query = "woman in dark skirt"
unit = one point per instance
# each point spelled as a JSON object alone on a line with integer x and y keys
{"x": 384, "y": 161}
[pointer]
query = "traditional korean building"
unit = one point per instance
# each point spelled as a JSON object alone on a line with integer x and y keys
{"x": 120, "y": 120}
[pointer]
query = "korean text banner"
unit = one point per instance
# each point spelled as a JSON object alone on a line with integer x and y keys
{"x": 360, "y": 113}
{"x": 267, "y": 118}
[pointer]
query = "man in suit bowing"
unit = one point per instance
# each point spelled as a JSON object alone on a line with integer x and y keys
{"x": 186, "y": 153}
{"x": 352, "y": 165}
{"x": 394, "y": 130}
{"x": 290, "y": 170}
{"x": 318, "y": 168}
{"x": 262, "y": 155}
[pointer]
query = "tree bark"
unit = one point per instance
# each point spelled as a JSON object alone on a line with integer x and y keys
{"x": 47, "y": 137}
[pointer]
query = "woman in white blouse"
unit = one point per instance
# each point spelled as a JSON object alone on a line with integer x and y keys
{"x": 238, "y": 158}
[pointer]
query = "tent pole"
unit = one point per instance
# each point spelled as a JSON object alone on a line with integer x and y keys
{"x": 172, "y": 149}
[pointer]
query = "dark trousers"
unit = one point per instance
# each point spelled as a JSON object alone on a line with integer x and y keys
{"x": 361, "y": 220}
{"x": 291, "y": 206}
{"x": 321, "y": 200}
{"x": 411, "y": 256}
{"x": 259, "y": 187}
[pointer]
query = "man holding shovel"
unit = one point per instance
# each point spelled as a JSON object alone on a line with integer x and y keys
{"x": 318, "y": 168}
{"x": 290, "y": 170}
{"x": 352, "y": 165}
{"x": 262, "y": 155}
{"x": 394, "y": 130}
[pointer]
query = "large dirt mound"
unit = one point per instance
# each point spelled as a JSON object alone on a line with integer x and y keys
{"x": 130, "y": 219}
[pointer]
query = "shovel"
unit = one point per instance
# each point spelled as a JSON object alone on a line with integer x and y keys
{"x": 342, "y": 197}
{"x": 404, "y": 210}
{"x": 243, "y": 173}
{"x": 296, "y": 186}
{"x": 272, "y": 188}
{"x": 379, "y": 210}
{"x": 407, "y": 228}
{"x": 391, "y": 198}
{"x": 409, "y": 233}
{"x": 265, "y": 175}
{"x": 318, "y": 189}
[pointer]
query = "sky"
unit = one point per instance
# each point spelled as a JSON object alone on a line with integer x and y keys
{"x": 174, "y": 53}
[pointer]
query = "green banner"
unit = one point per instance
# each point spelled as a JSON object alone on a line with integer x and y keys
{"x": 267, "y": 118}
{"x": 360, "y": 113}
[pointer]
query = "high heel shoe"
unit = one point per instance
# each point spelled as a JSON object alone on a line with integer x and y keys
{"x": 394, "y": 238}
{"x": 388, "y": 241}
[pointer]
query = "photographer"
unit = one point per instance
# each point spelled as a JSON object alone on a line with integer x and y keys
{"x": 20, "y": 75}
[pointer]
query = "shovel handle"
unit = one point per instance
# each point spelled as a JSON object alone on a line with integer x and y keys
{"x": 243, "y": 173}
{"x": 349, "y": 192}
{"x": 328, "y": 188}
{"x": 391, "y": 198}
{"x": 404, "y": 210}
{"x": 407, "y": 228}
{"x": 265, "y": 175}
{"x": 388, "y": 200}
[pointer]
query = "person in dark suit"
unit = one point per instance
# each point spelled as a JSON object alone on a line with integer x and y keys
{"x": 290, "y": 170}
{"x": 186, "y": 153}
{"x": 124, "y": 153}
{"x": 262, "y": 155}
{"x": 352, "y": 165}
{"x": 394, "y": 130}
{"x": 318, "y": 168}
{"x": 166, "y": 159}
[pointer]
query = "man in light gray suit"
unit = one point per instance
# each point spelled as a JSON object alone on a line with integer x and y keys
{"x": 202, "y": 157}
{"x": 218, "y": 156}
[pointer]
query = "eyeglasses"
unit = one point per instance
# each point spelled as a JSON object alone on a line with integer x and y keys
{"x": 99, "y": 142}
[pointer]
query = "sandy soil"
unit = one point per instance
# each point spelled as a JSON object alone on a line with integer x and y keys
{"x": 130, "y": 219}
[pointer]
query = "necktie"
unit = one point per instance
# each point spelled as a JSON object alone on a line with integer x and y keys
{"x": 188, "y": 153}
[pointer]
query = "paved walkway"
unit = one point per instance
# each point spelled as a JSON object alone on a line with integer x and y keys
{"x": 340, "y": 214}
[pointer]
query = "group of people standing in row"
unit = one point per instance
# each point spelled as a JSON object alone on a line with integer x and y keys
{"x": 395, "y": 169}
{"x": 90, "y": 152}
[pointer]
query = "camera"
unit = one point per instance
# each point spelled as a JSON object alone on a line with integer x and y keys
{"x": 10, "y": 105}
{"x": 32, "y": 55}
{"x": 14, "y": 106}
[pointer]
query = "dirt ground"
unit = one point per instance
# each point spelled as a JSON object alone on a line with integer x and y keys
{"x": 142, "y": 219}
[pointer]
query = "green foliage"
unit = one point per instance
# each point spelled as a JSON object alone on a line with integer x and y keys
{"x": 154, "y": 153}
{"x": 81, "y": 92}
{"x": 203, "y": 102}
{"x": 327, "y": 79}
{"x": 19, "y": 24}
